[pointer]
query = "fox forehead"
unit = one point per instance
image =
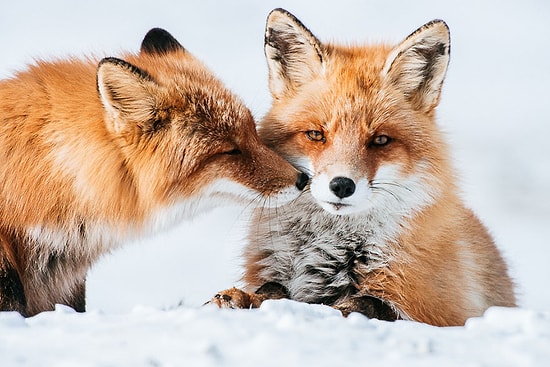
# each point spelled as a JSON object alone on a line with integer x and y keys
{"x": 192, "y": 96}
{"x": 334, "y": 109}
{"x": 356, "y": 66}
{"x": 350, "y": 93}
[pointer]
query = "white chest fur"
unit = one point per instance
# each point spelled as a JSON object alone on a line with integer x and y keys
{"x": 319, "y": 256}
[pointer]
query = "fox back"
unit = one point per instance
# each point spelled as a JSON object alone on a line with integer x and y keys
{"x": 382, "y": 218}
{"x": 94, "y": 153}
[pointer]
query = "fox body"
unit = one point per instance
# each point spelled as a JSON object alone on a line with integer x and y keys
{"x": 382, "y": 229}
{"x": 93, "y": 154}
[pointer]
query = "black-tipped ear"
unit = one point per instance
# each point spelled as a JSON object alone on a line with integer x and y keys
{"x": 294, "y": 55}
{"x": 417, "y": 66}
{"x": 159, "y": 41}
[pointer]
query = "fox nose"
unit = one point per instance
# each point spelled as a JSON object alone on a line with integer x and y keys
{"x": 301, "y": 181}
{"x": 342, "y": 187}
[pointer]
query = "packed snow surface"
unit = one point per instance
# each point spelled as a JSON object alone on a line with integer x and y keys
{"x": 280, "y": 333}
{"x": 145, "y": 300}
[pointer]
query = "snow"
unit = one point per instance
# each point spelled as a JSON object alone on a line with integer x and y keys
{"x": 145, "y": 301}
{"x": 279, "y": 333}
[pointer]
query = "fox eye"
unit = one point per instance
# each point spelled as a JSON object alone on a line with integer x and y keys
{"x": 315, "y": 135}
{"x": 235, "y": 151}
{"x": 381, "y": 140}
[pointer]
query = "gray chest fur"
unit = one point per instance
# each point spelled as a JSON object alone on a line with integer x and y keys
{"x": 319, "y": 257}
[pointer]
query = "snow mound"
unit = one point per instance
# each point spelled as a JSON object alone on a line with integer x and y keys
{"x": 280, "y": 333}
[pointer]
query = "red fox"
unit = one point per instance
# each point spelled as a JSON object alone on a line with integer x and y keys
{"x": 382, "y": 229}
{"x": 96, "y": 153}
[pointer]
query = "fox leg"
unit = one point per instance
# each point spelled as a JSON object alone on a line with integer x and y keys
{"x": 78, "y": 299}
{"x": 237, "y": 298}
{"x": 12, "y": 294}
{"x": 369, "y": 306}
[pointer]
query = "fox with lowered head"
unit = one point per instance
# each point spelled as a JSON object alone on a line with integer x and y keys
{"x": 96, "y": 152}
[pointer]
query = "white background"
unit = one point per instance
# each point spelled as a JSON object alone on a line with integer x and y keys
{"x": 495, "y": 111}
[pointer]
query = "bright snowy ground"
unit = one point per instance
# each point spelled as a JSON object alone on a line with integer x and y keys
{"x": 495, "y": 109}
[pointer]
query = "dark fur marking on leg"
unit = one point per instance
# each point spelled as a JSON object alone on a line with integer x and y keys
{"x": 369, "y": 306}
{"x": 273, "y": 290}
{"x": 78, "y": 301}
{"x": 12, "y": 293}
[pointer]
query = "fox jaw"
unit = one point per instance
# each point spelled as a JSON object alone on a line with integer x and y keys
{"x": 358, "y": 120}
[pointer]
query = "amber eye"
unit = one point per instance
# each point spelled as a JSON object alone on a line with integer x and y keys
{"x": 235, "y": 151}
{"x": 381, "y": 140}
{"x": 315, "y": 135}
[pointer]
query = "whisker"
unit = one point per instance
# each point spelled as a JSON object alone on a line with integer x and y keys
{"x": 386, "y": 191}
{"x": 389, "y": 183}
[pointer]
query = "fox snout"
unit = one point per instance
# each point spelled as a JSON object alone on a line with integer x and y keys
{"x": 282, "y": 192}
{"x": 341, "y": 194}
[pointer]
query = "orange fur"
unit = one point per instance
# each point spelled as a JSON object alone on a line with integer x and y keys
{"x": 95, "y": 155}
{"x": 366, "y": 115}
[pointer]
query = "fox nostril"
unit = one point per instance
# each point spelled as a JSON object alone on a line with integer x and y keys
{"x": 342, "y": 187}
{"x": 302, "y": 180}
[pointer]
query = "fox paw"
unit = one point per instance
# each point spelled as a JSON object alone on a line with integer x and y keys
{"x": 371, "y": 307}
{"x": 235, "y": 298}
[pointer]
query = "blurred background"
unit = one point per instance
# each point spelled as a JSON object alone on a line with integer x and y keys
{"x": 495, "y": 110}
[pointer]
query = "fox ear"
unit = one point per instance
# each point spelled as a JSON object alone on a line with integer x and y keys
{"x": 294, "y": 55}
{"x": 159, "y": 41}
{"x": 417, "y": 66}
{"x": 126, "y": 93}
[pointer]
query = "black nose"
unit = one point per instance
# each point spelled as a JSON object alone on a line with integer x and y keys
{"x": 302, "y": 180}
{"x": 342, "y": 187}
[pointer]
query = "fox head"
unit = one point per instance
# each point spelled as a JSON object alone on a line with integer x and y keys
{"x": 358, "y": 120}
{"x": 183, "y": 135}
